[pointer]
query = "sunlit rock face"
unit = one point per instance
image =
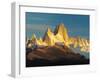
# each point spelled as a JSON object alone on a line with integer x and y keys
{"x": 62, "y": 31}
{"x": 49, "y": 38}
{"x": 60, "y": 37}
{"x": 83, "y": 44}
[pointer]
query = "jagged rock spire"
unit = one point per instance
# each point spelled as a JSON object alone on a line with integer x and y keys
{"x": 60, "y": 29}
{"x": 33, "y": 37}
{"x": 60, "y": 35}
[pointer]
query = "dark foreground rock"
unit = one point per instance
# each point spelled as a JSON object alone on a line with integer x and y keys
{"x": 53, "y": 56}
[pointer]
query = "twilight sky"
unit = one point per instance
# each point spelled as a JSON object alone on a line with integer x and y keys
{"x": 37, "y": 23}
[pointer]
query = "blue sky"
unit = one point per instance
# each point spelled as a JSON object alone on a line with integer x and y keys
{"x": 77, "y": 25}
{"x": 37, "y": 23}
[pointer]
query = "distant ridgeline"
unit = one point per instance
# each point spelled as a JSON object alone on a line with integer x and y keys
{"x": 58, "y": 37}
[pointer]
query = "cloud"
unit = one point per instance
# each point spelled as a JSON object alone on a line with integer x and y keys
{"x": 37, "y": 19}
{"x": 37, "y": 27}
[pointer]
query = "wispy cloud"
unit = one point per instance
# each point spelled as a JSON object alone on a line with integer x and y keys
{"x": 37, "y": 29}
{"x": 37, "y": 18}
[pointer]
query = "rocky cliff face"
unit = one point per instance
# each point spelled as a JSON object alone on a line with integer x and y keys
{"x": 55, "y": 49}
{"x": 54, "y": 55}
{"x": 61, "y": 30}
{"x": 49, "y": 38}
{"x": 60, "y": 36}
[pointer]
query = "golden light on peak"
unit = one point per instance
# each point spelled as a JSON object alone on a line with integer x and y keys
{"x": 60, "y": 36}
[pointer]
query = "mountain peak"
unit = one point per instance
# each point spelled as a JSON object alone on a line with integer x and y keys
{"x": 49, "y": 30}
{"x": 61, "y": 25}
{"x": 60, "y": 29}
{"x": 60, "y": 36}
{"x": 33, "y": 37}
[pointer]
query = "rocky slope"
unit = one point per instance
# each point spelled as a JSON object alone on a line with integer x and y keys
{"x": 52, "y": 56}
{"x": 55, "y": 49}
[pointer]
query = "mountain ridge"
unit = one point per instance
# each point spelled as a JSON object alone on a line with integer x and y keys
{"x": 55, "y": 49}
{"x": 60, "y": 36}
{"x": 54, "y": 55}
